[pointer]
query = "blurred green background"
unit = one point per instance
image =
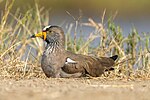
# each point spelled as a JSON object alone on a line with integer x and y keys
{"x": 128, "y": 22}
{"x": 132, "y": 7}
{"x": 129, "y": 12}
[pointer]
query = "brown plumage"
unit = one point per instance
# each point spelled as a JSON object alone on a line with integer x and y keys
{"x": 57, "y": 62}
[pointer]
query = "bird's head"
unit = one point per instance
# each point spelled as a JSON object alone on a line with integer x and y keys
{"x": 51, "y": 34}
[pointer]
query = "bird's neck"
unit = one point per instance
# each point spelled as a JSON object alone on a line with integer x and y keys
{"x": 54, "y": 46}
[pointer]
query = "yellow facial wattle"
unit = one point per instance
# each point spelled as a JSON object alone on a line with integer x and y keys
{"x": 41, "y": 34}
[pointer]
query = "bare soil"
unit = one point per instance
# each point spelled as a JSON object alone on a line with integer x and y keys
{"x": 73, "y": 89}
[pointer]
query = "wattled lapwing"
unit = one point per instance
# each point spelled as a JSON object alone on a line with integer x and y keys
{"x": 58, "y": 62}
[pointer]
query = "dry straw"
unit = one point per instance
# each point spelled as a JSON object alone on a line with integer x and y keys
{"x": 20, "y": 56}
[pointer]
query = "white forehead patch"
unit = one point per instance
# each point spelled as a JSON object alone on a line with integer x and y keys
{"x": 46, "y": 27}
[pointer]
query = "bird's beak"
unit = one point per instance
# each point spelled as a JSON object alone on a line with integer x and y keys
{"x": 40, "y": 34}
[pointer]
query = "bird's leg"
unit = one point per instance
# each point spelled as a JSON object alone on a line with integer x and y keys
{"x": 66, "y": 75}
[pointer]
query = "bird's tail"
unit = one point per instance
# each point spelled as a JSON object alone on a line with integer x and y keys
{"x": 114, "y": 57}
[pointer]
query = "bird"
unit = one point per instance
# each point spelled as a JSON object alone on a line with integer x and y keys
{"x": 59, "y": 63}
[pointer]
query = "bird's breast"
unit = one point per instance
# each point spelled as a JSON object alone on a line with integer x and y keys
{"x": 53, "y": 59}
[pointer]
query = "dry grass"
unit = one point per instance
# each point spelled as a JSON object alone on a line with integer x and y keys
{"x": 20, "y": 56}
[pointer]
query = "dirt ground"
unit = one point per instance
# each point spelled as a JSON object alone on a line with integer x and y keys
{"x": 73, "y": 89}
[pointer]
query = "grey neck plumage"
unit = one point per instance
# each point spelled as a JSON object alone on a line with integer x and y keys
{"x": 54, "y": 46}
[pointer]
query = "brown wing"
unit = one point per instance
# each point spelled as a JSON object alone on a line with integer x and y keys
{"x": 106, "y": 62}
{"x": 96, "y": 66}
{"x": 87, "y": 64}
{"x": 74, "y": 67}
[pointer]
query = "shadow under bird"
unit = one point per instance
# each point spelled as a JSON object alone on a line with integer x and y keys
{"x": 58, "y": 62}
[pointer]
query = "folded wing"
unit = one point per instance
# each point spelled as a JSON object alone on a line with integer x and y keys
{"x": 93, "y": 66}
